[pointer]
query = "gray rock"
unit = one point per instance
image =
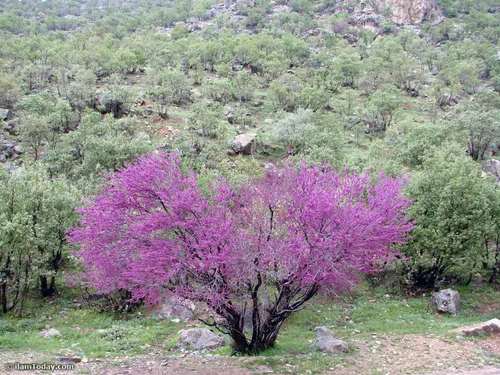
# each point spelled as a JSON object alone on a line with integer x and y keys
{"x": 322, "y": 331}
{"x": 487, "y": 328}
{"x": 18, "y": 149}
{"x": 328, "y": 344}
{"x": 492, "y": 166}
{"x": 4, "y": 114}
{"x": 230, "y": 117}
{"x": 244, "y": 144}
{"x": 176, "y": 307}
{"x": 50, "y": 332}
{"x": 446, "y": 301}
{"x": 200, "y": 339}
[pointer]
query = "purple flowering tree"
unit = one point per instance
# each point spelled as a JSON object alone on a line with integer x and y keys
{"x": 257, "y": 253}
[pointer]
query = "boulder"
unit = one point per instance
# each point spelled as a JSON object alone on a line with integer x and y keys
{"x": 446, "y": 301}
{"x": 50, "y": 332}
{"x": 4, "y": 114}
{"x": 244, "y": 144}
{"x": 176, "y": 307}
{"x": 492, "y": 166}
{"x": 200, "y": 339}
{"x": 326, "y": 343}
{"x": 487, "y": 328}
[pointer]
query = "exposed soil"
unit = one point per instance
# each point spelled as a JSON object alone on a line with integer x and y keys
{"x": 409, "y": 354}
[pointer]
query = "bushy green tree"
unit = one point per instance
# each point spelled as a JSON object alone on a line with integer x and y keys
{"x": 451, "y": 206}
{"x": 35, "y": 213}
{"x": 295, "y": 129}
{"x": 479, "y": 121}
{"x": 209, "y": 118}
{"x": 381, "y": 110}
{"x": 9, "y": 91}
{"x": 97, "y": 145}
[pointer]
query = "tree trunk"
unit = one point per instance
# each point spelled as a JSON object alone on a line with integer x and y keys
{"x": 47, "y": 291}
{"x": 4, "y": 298}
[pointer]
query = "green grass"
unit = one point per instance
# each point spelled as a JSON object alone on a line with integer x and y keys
{"x": 80, "y": 335}
{"x": 370, "y": 311}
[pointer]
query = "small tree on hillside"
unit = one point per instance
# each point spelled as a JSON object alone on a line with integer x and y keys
{"x": 258, "y": 253}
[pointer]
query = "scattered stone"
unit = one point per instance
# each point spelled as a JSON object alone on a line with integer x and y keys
{"x": 244, "y": 144}
{"x": 200, "y": 339}
{"x": 49, "y": 333}
{"x": 446, "y": 301}
{"x": 491, "y": 327}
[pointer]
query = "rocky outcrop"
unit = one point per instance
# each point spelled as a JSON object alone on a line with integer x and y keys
{"x": 10, "y": 150}
{"x": 369, "y": 13}
{"x": 409, "y": 12}
{"x": 446, "y": 301}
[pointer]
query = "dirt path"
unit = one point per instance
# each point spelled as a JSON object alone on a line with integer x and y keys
{"x": 484, "y": 371}
{"x": 409, "y": 354}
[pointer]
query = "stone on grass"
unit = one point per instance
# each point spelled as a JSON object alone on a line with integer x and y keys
{"x": 50, "y": 332}
{"x": 200, "y": 339}
{"x": 329, "y": 344}
{"x": 446, "y": 301}
{"x": 490, "y": 327}
{"x": 326, "y": 343}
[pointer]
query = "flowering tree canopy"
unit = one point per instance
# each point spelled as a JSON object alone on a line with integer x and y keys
{"x": 256, "y": 253}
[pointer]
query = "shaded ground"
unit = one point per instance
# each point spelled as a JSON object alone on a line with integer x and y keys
{"x": 405, "y": 354}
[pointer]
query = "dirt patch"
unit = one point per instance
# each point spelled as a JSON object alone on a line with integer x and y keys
{"x": 488, "y": 308}
{"x": 415, "y": 354}
{"x": 143, "y": 364}
{"x": 409, "y": 354}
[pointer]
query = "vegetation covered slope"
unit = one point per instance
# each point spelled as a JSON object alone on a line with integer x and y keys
{"x": 88, "y": 85}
